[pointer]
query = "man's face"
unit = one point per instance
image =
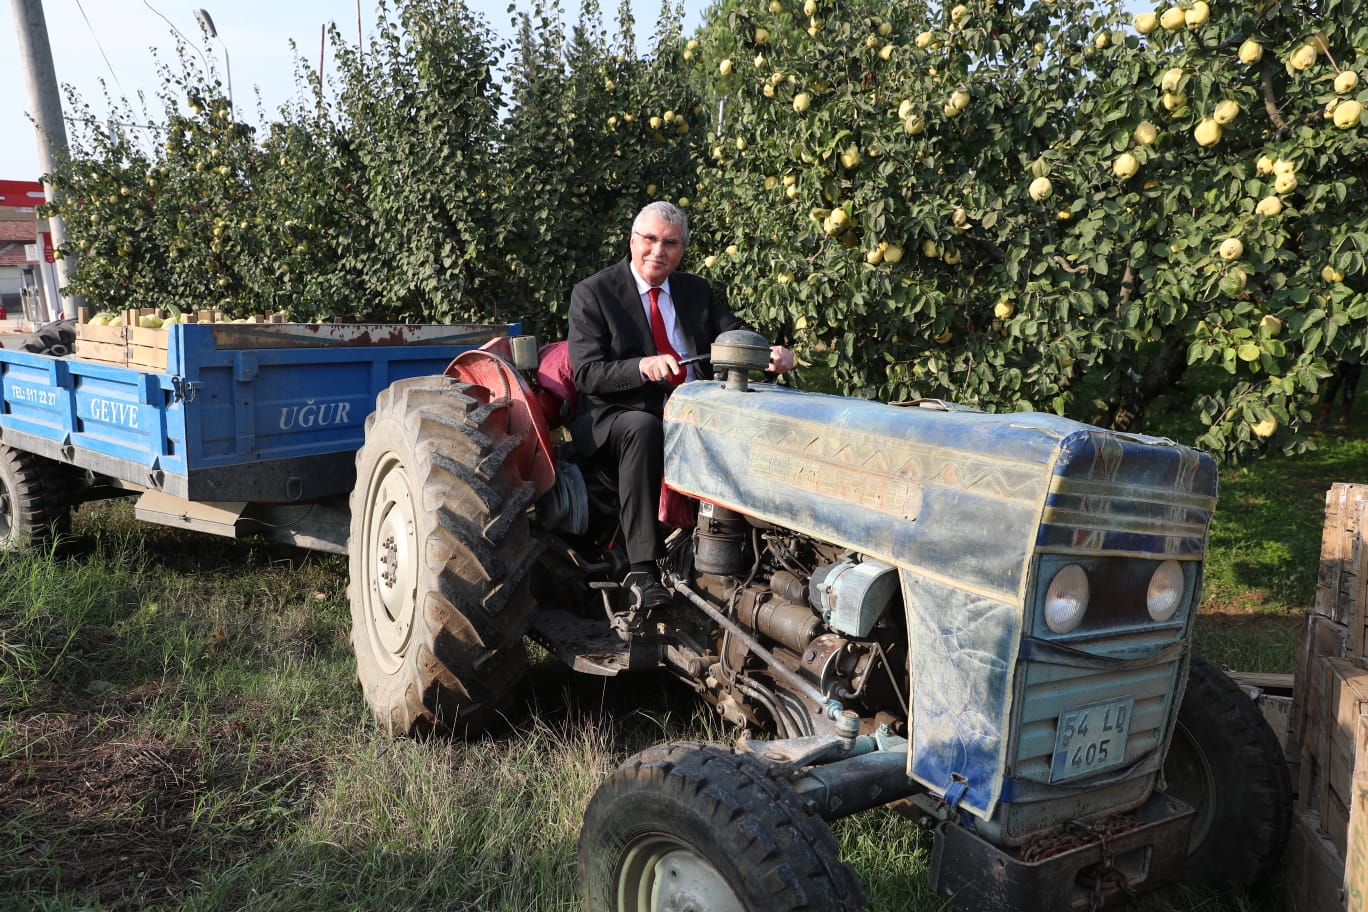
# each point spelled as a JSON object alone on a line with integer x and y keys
{"x": 657, "y": 248}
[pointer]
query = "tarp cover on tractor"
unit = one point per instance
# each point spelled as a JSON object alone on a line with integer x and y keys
{"x": 959, "y": 501}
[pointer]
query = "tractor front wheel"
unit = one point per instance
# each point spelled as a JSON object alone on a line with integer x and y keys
{"x": 694, "y": 826}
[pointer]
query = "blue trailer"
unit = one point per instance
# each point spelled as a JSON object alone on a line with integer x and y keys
{"x": 246, "y": 423}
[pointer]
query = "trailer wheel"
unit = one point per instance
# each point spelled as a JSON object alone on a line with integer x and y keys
{"x": 33, "y": 508}
{"x": 1226, "y": 762}
{"x": 690, "y": 825}
{"x": 439, "y": 551}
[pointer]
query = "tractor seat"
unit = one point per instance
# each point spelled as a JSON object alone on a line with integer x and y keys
{"x": 556, "y": 393}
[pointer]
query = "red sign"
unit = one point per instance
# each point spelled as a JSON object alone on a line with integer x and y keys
{"x": 46, "y": 237}
{"x": 21, "y": 194}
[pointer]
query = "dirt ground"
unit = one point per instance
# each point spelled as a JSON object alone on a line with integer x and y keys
{"x": 96, "y": 808}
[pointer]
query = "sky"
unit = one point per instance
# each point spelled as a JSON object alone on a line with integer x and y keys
{"x": 112, "y": 40}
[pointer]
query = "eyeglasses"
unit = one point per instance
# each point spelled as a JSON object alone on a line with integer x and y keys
{"x": 667, "y": 243}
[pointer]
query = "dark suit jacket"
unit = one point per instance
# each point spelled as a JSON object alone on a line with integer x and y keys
{"x": 609, "y": 335}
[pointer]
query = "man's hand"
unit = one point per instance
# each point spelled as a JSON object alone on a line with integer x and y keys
{"x": 781, "y": 360}
{"x": 658, "y": 368}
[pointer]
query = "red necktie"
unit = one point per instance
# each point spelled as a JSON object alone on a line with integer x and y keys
{"x": 661, "y": 337}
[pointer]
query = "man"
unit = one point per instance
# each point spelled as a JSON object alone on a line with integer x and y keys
{"x": 630, "y": 325}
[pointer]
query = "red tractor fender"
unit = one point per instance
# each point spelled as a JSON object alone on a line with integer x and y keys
{"x": 491, "y": 367}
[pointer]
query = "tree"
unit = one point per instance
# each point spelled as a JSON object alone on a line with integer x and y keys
{"x": 1011, "y": 206}
{"x": 423, "y": 190}
{"x": 594, "y": 133}
{"x": 1007, "y": 204}
{"x": 420, "y": 109}
{"x": 200, "y": 215}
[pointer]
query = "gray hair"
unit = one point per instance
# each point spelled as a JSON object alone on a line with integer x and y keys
{"x": 669, "y": 213}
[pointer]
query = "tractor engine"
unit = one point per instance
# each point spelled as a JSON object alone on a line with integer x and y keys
{"x": 831, "y": 618}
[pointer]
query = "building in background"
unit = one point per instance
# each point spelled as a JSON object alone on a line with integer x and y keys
{"x": 28, "y": 283}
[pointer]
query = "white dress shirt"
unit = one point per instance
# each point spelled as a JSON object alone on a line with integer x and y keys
{"x": 667, "y": 313}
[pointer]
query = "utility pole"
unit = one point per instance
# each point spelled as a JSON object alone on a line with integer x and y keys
{"x": 44, "y": 98}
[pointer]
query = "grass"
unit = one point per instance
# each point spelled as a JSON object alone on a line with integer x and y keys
{"x": 180, "y": 727}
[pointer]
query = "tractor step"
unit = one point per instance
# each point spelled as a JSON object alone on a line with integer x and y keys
{"x": 586, "y": 644}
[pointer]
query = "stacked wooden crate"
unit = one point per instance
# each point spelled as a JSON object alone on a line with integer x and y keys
{"x": 124, "y": 343}
{"x": 1329, "y": 720}
{"x": 128, "y": 344}
{"x": 1356, "y": 855}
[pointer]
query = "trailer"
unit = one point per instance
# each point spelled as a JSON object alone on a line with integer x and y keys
{"x": 233, "y": 429}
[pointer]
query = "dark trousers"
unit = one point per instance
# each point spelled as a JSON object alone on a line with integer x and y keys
{"x": 636, "y": 449}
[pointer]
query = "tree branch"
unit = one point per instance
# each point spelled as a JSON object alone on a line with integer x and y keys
{"x": 1271, "y": 103}
{"x": 1123, "y": 297}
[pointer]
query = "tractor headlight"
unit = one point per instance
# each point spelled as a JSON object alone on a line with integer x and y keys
{"x": 1165, "y": 592}
{"x": 1067, "y": 599}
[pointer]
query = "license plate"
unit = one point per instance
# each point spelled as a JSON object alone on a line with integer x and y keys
{"x": 1091, "y": 738}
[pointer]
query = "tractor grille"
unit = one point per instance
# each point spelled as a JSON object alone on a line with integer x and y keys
{"x": 1046, "y": 692}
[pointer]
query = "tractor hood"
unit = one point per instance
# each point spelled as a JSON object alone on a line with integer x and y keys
{"x": 960, "y": 501}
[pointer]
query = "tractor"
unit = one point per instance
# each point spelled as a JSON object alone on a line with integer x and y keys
{"x": 982, "y": 621}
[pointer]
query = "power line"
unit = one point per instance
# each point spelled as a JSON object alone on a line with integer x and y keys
{"x": 107, "y": 122}
{"x": 113, "y": 75}
{"x": 179, "y": 32}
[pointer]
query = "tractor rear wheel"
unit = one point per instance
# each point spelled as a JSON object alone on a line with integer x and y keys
{"x": 1226, "y": 762}
{"x": 439, "y": 553}
{"x": 691, "y": 825}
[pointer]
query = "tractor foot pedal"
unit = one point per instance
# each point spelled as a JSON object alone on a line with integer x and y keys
{"x": 588, "y": 645}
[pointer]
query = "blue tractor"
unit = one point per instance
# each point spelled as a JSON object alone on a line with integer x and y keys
{"x": 983, "y": 620}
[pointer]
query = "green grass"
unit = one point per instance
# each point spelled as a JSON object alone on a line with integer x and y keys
{"x": 180, "y": 727}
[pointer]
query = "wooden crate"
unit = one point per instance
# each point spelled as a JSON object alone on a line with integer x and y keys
{"x": 1347, "y": 704}
{"x": 1356, "y": 612}
{"x": 1272, "y": 693}
{"x": 1277, "y": 712}
{"x": 102, "y": 343}
{"x": 1314, "y": 868}
{"x": 1306, "y": 739}
{"x": 147, "y": 348}
{"x": 1342, "y": 577}
{"x": 1329, "y": 721}
{"x": 1356, "y": 857}
{"x": 124, "y": 345}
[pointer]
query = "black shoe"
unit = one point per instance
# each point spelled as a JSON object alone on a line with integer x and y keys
{"x": 646, "y": 590}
